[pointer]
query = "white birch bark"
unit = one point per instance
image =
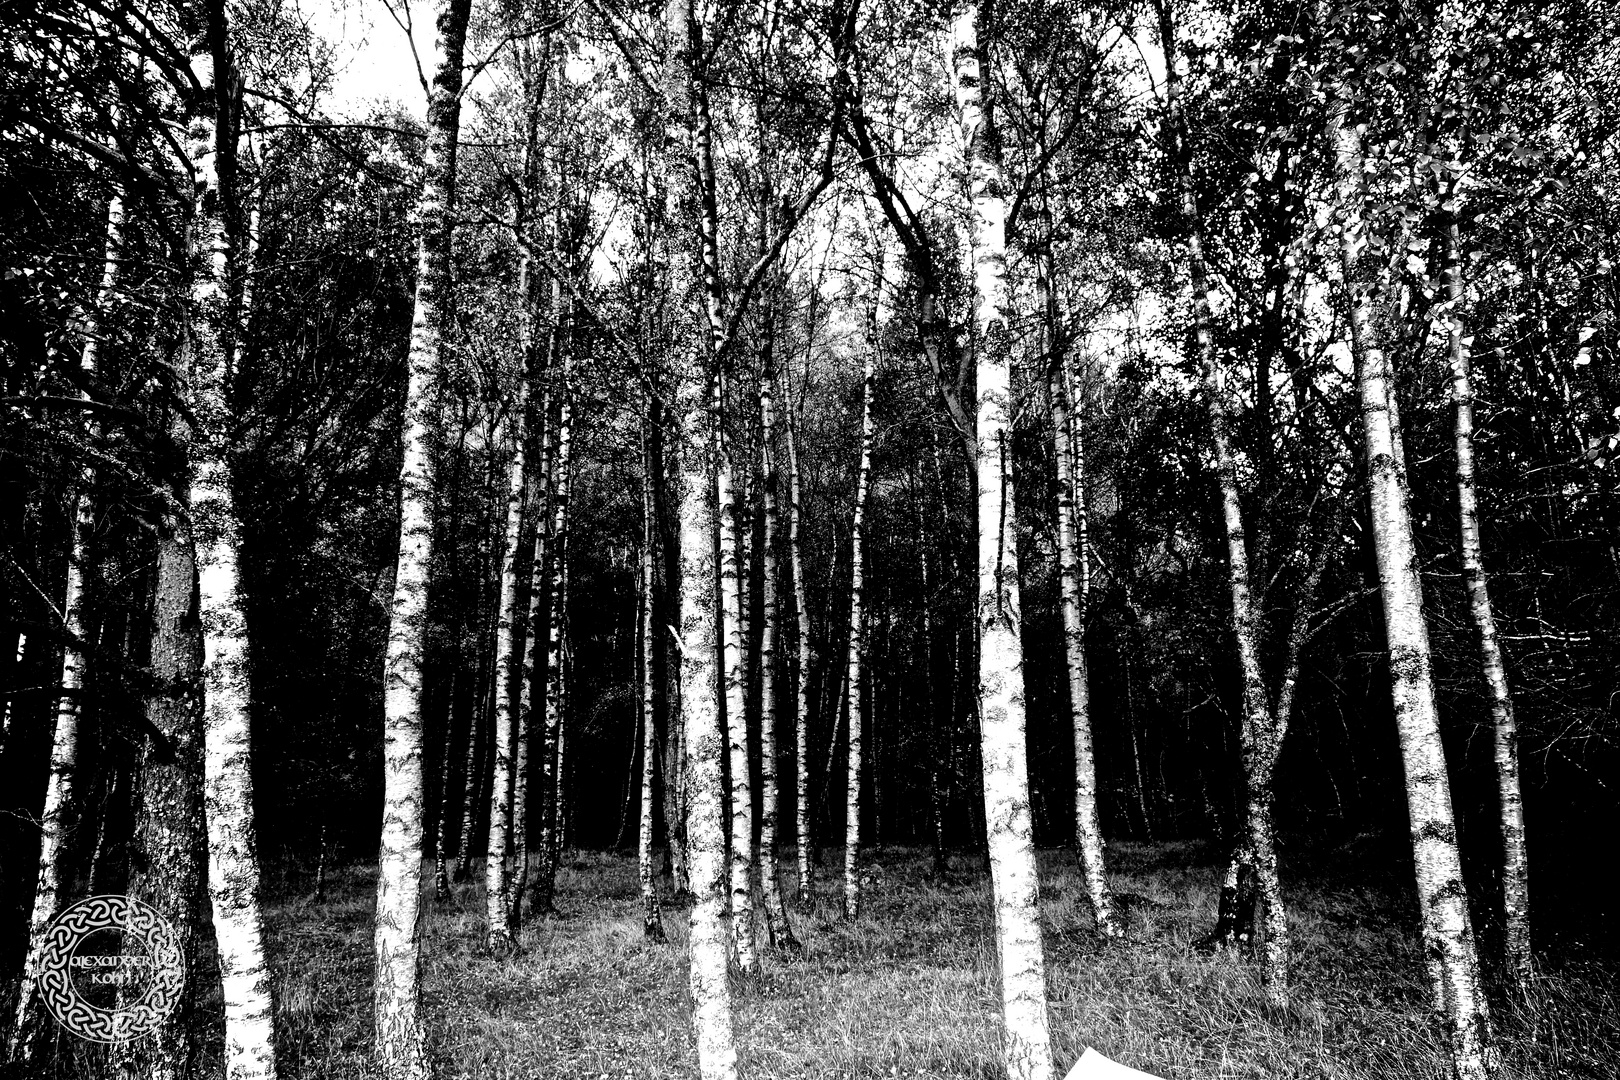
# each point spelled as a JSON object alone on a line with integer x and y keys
{"x": 1026, "y": 1041}
{"x": 801, "y": 674}
{"x": 1260, "y": 737}
{"x": 652, "y": 919}
{"x": 498, "y": 867}
{"x": 52, "y": 880}
{"x": 857, "y": 640}
{"x": 1504, "y": 728}
{"x": 397, "y": 941}
{"x": 1087, "y": 823}
{"x": 776, "y": 916}
{"x": 556, "y": 666}
{"x": 1448, "y": 937}
{"x": 734, "y": 665}
{"x": 698, "y": 700}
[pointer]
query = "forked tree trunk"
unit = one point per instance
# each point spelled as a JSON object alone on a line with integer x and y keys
{"x": 1026, "y": 1042}
{"x": 1504, "y": 729}
{"x": 776, "y": 916}
{"x": 52, "y": 884}
{"x": 652, "y": 919}
{"x": 857, "y": 641}
{"x": 1071, "y": 556}
{"x": 399, "y": 1038}
{"x": 1260, "y": 734}
{"x": 1448, "y": 935}
{"x": 801, "y": 673}
{"x": 698, "y": 702}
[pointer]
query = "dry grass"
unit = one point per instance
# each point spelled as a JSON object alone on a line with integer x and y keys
{"x": 910, "y": 990}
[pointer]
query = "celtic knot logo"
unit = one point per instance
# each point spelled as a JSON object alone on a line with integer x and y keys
{"x": 112, "y": 969}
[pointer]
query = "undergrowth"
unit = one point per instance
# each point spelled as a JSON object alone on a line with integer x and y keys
{"x": 910, "y": 990}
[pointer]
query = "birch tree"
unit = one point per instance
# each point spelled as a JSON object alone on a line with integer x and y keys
{"x": 1447, "y": 931}
{"x": 399, "y": 1039}
{"x": 652, "y": 921}
{"x": 856, "y": 661}
{"x": 1026, "y": 1042}
{"x": 776, "y": 915}
{"x": 697, "y": 633}
{"x": 1261, "y": 734}
{"x": 1504, "y": 728}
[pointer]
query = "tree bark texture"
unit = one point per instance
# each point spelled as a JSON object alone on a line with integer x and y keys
{"x": 1448, "y": 936}
{"x": 698, "y": 706}
{"x": 1026, "y": 1042}
{"x": 399, "y": 1037}
{"x": 1504, "y": 729}
{"x": 857, "y": 640}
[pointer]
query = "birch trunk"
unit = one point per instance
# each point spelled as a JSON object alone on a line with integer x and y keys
{"x": 652, "y": 919}
{"x": 53, "y": 880}
{"x": 233, "y": 867}
{"x": 776, "y": 916}
{"x": 399, "y": 1038}
{"x": 1504, "y": 729}
{"x": 556, "y": 667}
{"x": 1448, "y": 936}
{"x": 741, "y": 862}
{"x": 533, "y": 671}
{"x": 698, "y": 699}
{"x": 801, "y": 674}
{"x": 857, "y": 641}
{"x": 1087, "y": 823}
{"x": 1260, "y": 737}
{"x": 1026, "y": 1042}
{"x": 498, "y": 866}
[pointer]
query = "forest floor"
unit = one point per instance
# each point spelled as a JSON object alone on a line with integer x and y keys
{"x": 910, "y": 990}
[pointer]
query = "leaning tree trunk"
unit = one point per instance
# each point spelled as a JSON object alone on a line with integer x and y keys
{"x": 698, "y": 704}
{"x": 1026, "y": 1045}
{"x": 1504, "y": 729}
{"x": 399, "y": 1042}
{"x": 52, "y": 883}
{"x": 770, "y": 791}
{"x": 652, "y": 919}
{"x": 857, "y": 641}
{"x": 1087, "y": 824}
{"x": 1448, "y": 935}
{"x": 1260, "y": 736}
{"x": 801, "y": 674}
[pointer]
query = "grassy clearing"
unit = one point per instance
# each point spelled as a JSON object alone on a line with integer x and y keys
{"x": 910, "y": 990}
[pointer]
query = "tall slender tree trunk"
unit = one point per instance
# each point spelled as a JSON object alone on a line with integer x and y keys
{"x": 698, "y": 702}
{"x": 857, "y": 640}
{"x": 776, "y": 915}
{"x": 498, "y": 867}
{"x": 556, "y": 667}
{"x": 1448, "y": 935}
{"x": 735, "y": 667}
{"x": 1026, "y": 1042}
{"x": 1087, "y": 823}
{"x": 1261, "y": 736}
{"x": 233, "y": 865}
{"x": 399, "y": 1037}
{"x": 53, "y": 881}
{"x": 801, "y": 672}
{"x": 652, "y": 919}
{"x": 1504, "y": 729}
